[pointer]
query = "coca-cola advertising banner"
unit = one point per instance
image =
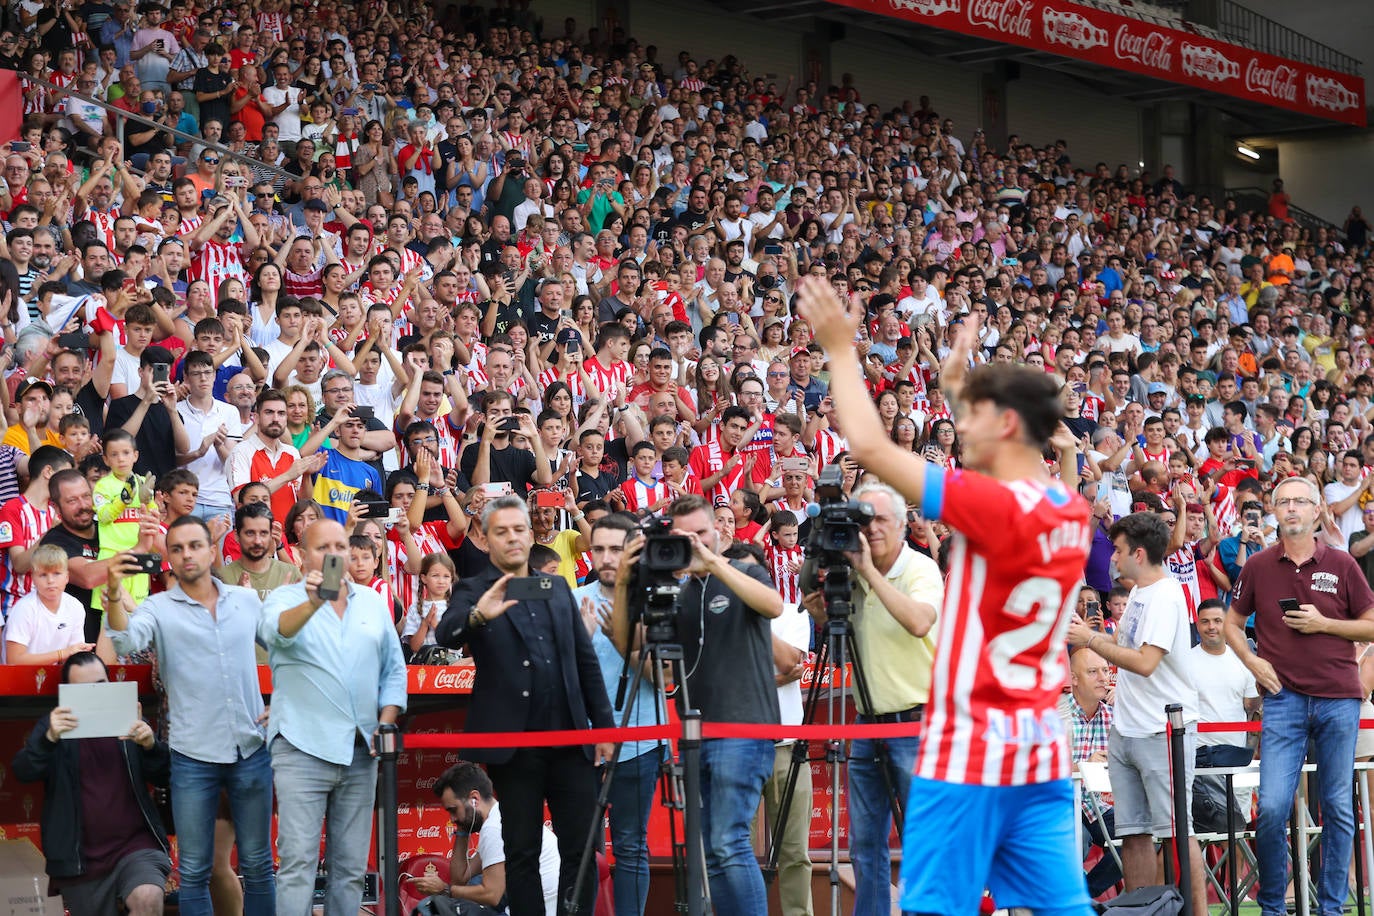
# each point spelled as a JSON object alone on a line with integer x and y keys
{"x": 1122, "y": 43}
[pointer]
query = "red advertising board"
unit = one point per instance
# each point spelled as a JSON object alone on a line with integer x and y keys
{"x": 1124, "y": 43}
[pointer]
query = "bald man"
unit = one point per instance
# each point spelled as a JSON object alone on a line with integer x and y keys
{"x": 1088, "y": 715}
{"x": 321, "y": 652}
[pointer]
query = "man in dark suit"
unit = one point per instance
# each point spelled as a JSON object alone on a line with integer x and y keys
{"x": 536, "y": 671}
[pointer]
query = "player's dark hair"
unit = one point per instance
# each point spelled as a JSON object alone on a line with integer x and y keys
{"x": 462, "y": 778}
{"x": 1032, "y": 395}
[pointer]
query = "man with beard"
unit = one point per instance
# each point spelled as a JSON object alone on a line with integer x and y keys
{"x": 35, "y": 407}
{"x": 257, "y": 567}
{"x": 76, "y": 534}
{"x": 265, "y": 458}
{"x": 636, "y": 769}
{"x": 205, "y": 632}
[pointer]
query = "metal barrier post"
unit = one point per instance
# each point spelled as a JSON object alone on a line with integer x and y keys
{"x": 388, "y": 745}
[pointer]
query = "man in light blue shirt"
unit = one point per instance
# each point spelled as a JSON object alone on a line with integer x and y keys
{"x": 337, "y": 675}
{"x": 204, "y": 633}
{"x": 636, "y": 769}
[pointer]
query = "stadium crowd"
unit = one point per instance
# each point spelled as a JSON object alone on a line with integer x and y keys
{"x": 359, "y": 275}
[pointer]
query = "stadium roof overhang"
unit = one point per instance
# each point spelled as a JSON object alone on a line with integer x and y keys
{"x": 1249, "y": 115}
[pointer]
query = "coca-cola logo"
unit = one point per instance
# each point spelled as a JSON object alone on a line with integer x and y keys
{"x": 1325, "y": 92}
{"x": 428, "y": 833}
{"x": 1010, "y": 17}
{"x": 1278, "y": 82}
{"x": 928, "y": 8}
{"x": 427, "y": 783}
{"x": 1206, "y": 62}
{"x": 1072, "y": 29}
{"x": 402, "y": 808}
{"x": 454, "y": 678}
{"x": 1152, "y": 49}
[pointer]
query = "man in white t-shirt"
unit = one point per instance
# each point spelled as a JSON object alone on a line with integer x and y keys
{"x": 1225, "y": 687}
{"x": 1151, "y": 652}
{"x": 466, "y": 794}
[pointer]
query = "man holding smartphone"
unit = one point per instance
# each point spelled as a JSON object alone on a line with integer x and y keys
{"x": 204, "y": 632}
{"x": 536, "y": 671}
{"x": 1309, "y": 678}
{"x": 327, "y": 638}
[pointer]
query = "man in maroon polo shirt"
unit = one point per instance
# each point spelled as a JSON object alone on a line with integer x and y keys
{"x": 1311, "y": 603}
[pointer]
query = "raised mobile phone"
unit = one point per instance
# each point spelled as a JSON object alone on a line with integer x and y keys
{"x": 162, "y": 372}
{"x": 148, "y": 563}
{"x": 332, "y": 570}
{"x": 548, "y": 499}
{"x": 375, "y": 509}
{"x": 497, "y": 490}
{"x": 529, "y": 588}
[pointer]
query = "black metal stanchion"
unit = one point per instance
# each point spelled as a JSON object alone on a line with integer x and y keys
{"x": 1183, "y": 818}
{"x": 387, "y": 744}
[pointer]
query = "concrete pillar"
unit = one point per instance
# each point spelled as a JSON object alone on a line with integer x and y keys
{"x": 993, "y": 116}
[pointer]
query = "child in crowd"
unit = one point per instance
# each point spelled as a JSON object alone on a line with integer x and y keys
{"x": 47, "y": 625}
{"x": 121, "y": 498}
{"x": 437, "y": 575}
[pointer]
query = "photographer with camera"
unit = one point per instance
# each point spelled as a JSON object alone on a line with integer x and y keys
{"x": 895, "y": 599}
{"x": 536, "y": 671}
{"x": 727, "y": 605}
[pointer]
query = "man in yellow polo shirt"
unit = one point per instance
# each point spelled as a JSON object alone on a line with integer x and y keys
{"x": 33, "y": 403}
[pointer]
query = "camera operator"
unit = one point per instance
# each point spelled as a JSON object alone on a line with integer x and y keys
{"x": 728, "y": 605}
{"x": 637, "y": 767}
{"x": 536, "y": 671}
{"x": 896, "y": 594}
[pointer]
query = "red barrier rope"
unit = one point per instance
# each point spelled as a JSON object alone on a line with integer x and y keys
{"x": 451, "y": 740}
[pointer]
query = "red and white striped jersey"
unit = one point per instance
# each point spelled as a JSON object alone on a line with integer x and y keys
{"x": 271, "y": 24}
{"x": 405, "y": 584}
{"x": 104, "y": 224}
{"x": 640, "y": 496}
{"x": 382, "y": 586}
{"x": 302, "y": 285}
{"x": 609, "y": 380}
{"x": 1092, "y": 406}
{"x": 573, "y": 381}
{"x": 189, "y": 224}
{"x": 409, "y": 259}
{"x": 710, "y": 458}
{"x": 22, "y": 524}
{"x": 784, "y": 565}
{"x": 215, "y": 262}
{"x": 1182, "y": 565}
{"x": 828, "y": 445}
{"x": 448, "y": 439}
{"x": 1016, "y": 565}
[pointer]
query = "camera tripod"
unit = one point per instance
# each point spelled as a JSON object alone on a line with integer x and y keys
{"x": 836, "y": 649}
{"x": 680, "y": 782}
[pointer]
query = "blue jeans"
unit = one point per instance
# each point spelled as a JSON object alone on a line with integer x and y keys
{"x": 1292, "y": 720}
{"x": 196, "y": 787}
{"x": 631, "y": 798}
{"x": 733, "y": 771}
{"x": 312, "y": 792}
{"x": 870, "y": 817}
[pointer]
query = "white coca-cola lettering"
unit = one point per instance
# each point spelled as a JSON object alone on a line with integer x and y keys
{"x": 1010, "y": 17}
{"x": 929, "y": 8}
{"x": 1206, "y": 62}
{"x": 402, "y": 809}
{"x": 427, "y": 783}
{"x": 428, "y": 833}
{"x": 1280, "y": 82}
{"x": 1072, "y": 29}
{"x": 1325, "y": 92}
{"x": 454, "y": 678}
{"x": 1153, "y": 49}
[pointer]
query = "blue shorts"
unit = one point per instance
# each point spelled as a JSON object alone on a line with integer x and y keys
{"x": 1018, "y": 842}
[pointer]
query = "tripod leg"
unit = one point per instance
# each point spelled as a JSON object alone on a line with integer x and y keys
{"x": 801, "y": 752}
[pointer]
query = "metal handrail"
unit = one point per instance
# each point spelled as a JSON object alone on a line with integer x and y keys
{"x": 1298, "y": 214}
{"x": 275, "y": 170}
{"x": 1244, "y": 26}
